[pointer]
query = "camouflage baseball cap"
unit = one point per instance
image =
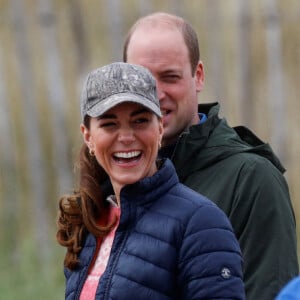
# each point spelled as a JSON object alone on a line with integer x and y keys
{"x": 116, "y": 83}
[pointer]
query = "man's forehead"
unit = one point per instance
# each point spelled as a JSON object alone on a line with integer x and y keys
{"x": 157, "y": 27}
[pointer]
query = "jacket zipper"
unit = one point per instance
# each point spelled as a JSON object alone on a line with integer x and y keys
{"x": 177, "y": 142}
{"x": 114, "y": 263}
{"x": 82, "y": 281}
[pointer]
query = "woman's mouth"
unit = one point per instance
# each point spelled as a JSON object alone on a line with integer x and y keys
{"x": 125, "y": 157}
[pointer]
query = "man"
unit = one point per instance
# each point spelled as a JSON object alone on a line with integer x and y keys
{"x": 231, "y": 166}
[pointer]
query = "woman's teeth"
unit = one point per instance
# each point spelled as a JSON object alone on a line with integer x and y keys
{"x": 131, "y": 154}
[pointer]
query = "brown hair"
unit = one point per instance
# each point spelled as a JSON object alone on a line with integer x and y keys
{"x": 84, "y": 210}
{"x": 187, "y": 31}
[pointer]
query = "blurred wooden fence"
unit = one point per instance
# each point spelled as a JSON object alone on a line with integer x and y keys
{"x": 251, "y": 54}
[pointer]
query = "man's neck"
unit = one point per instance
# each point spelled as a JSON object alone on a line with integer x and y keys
{"x": 166, "y": 151}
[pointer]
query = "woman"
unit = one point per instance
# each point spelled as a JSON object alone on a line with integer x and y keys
{"x": 132, "y": 231}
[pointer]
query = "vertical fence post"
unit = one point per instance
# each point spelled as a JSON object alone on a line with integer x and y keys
{"x": 8, "y": 170}
{"x": 115, "y": 25}
{"x": 56, "y": 97}
{"x": 244, "y": 84}
{"x": 275, "y": 78}
{"x": 215, "y": 50}
{"x": 34, "y": 153}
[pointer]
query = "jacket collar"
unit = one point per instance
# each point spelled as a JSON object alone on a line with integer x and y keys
{"x": 206, "y": 144}
{"x": 137, "y": 197}
{"x": 153, "y": 187}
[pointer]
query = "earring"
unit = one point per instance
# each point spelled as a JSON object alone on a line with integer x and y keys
{"x": 92, "y": 152}
{"x": 159, "y": 144}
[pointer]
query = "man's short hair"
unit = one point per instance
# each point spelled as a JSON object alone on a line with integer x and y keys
{"x": 188, "y": 33}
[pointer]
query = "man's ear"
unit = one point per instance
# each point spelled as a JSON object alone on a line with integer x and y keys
{"x": 199, "y": 76}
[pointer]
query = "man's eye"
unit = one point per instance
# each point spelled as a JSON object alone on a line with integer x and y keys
{"x": 171, "y": 77}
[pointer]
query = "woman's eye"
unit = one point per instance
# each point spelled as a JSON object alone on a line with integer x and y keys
{"x": 141, "y": 120}
{"x": 107, "y": 124}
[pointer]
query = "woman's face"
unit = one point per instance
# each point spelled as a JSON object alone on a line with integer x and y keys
{"x": 125, "y": 141}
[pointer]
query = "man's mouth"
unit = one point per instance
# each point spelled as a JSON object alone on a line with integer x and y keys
{"x": 165, "y": 112}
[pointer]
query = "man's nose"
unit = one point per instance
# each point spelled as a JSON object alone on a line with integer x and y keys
{"x": 160, "y": 92}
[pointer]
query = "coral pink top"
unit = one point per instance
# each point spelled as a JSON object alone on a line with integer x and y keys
{"x": 97, "y": 269}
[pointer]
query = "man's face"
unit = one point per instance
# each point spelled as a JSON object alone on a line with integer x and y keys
{"x": 164, "y": 53}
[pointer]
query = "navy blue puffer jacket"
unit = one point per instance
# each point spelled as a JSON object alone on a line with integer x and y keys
{"x": 171, "y": 243}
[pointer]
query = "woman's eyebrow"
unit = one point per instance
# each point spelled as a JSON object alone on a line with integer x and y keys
{"x": 134, "y": 113}
{"x": 106, "y": 116}
{"x": 140, "y": 111}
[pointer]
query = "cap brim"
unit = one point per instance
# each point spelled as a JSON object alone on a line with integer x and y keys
{"x": 104, "y": 105}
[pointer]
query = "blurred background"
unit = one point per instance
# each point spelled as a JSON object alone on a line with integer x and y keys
{"x": 251, "y": 54}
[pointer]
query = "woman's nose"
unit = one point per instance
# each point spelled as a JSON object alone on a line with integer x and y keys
{"x": 126, "y": 136}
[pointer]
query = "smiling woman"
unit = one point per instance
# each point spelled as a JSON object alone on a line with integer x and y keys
{"x": 125, "y": 141}
{"x": 131, "y": 230}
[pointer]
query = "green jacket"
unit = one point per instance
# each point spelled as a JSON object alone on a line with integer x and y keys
{"x": 242, "y": 175}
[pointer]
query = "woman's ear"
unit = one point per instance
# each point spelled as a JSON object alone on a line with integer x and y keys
{"x": 161, "y": 132}
{"x": 85, "y": 134}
